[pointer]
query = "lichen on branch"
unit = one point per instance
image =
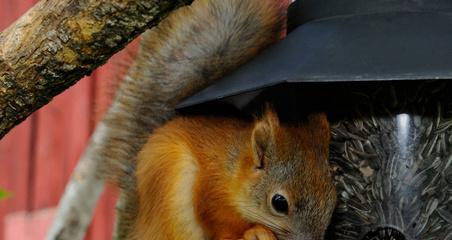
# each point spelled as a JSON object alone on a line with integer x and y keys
{"x": 58, "y": 42}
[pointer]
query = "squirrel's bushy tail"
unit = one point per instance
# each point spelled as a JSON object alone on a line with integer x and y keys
{"x": 192, "y": 47}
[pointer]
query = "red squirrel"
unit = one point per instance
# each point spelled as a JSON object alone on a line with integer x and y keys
{"x": 209, "y": 177}
{"x": 225, "y": 178}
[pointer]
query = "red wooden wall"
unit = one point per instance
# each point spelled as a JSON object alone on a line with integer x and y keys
{"x": 38, "y": 156}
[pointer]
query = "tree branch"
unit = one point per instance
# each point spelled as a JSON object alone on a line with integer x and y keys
{"x": 57, "y": 42}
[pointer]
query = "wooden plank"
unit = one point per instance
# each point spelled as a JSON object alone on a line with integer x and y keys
{"x": 63, "y": 129}
{"x": 103, "y": 221}
{"x": 28, "y": 226}
{"x": 14, "y": 161}
{"x": 11, "y": 9}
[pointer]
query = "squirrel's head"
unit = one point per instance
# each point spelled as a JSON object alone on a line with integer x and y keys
{"x": 286, "y": 183}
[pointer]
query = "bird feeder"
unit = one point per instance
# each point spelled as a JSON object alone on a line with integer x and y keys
{"x": 381, "y": 69}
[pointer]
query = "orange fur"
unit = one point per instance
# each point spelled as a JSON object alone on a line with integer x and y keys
{"x": 195, "y": 173}
{"x": 191, "y": 143}
{"x": 207, "y": 177}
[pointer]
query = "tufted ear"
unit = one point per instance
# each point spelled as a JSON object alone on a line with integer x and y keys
{"x": 263, "y": 136}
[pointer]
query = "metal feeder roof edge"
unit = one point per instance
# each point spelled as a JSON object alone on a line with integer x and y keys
{"x": 375, "y": 46}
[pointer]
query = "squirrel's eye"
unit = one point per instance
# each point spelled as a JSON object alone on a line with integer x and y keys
{"x": 280, "y": 204}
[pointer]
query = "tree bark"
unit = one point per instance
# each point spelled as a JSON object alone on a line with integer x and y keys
{"x": 57, "y": 42}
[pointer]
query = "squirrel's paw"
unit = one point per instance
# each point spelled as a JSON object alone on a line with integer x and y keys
{"x": 258, "y": 232}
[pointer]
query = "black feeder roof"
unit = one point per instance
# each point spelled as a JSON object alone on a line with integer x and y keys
{"x": 348, "y": 40}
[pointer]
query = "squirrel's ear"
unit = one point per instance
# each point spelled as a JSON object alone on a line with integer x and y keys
{"x": 263, "y": 136}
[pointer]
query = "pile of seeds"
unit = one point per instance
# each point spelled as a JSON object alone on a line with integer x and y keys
{"x": 393, "y": 161}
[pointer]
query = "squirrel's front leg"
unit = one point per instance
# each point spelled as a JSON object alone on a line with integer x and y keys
{"x": 258, "y": 232}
